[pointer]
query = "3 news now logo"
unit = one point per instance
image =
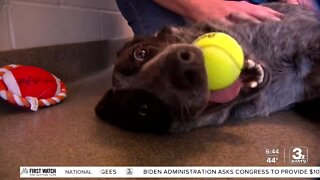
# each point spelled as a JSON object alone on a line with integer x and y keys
{"x": 298, "y": 155}
{"x": 38, "y": 171}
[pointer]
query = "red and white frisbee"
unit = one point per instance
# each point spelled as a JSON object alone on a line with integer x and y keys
{"x": 30, "y": 87}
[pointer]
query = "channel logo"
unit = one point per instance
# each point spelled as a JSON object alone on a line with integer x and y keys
{"x": 298, "y": 155}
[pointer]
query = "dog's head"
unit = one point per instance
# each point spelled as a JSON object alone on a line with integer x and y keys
{"x": 160, "y": 85}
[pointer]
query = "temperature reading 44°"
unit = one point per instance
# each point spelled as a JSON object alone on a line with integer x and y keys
{"x": 272, "y": 160}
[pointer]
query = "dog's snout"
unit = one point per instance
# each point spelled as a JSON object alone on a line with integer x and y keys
{"x": 185, "y": 67}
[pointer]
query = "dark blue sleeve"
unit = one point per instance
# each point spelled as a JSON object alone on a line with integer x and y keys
{"x": 146, "y": 17}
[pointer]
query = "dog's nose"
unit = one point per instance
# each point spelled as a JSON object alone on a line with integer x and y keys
{"x": 186, "y": 67}
{"x": 185, "y": 56}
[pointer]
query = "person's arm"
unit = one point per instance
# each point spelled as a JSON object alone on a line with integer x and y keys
{"x": 219, "y": 10}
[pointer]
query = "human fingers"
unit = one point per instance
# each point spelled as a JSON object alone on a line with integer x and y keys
{"x": 241, "y": 16}
{"x": 225, "y": 21}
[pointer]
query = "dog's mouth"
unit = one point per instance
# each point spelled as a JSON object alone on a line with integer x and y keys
{"x": 251, "y": 78}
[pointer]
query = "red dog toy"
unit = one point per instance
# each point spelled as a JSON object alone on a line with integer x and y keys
{"x": 30, "y": 87}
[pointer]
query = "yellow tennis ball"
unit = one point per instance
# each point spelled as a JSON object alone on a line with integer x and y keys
{"x": 223, "y": 59}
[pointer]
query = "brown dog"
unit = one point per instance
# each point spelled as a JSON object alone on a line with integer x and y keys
{"x": 160, "y": 84}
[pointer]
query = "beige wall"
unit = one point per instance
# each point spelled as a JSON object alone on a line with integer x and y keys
{"x": 34, "y": 23}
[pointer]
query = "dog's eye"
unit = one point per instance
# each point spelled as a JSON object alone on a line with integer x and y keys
{"x": 140, "y": 54}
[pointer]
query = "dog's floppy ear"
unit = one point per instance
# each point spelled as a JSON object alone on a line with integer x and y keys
{"x": 134, "y": 110}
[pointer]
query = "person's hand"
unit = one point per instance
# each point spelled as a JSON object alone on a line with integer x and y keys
{"x": 221, "y": 11}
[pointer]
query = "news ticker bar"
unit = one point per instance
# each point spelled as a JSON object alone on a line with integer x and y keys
{"x": 169, "y": 172}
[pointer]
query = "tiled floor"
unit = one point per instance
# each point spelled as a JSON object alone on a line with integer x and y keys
{"x": 70, "y": 134}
